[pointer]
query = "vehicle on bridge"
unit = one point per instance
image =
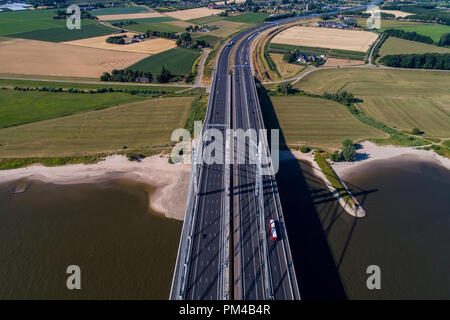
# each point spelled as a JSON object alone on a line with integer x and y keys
{"x": 273, "y": 229}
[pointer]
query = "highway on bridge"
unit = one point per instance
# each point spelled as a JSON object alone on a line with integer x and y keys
{"x": 223, "y": 199}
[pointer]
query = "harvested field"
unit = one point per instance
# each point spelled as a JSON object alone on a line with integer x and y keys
{"x": 403, "y": 99}
{"x": 141, "y": 123}
{"x": 398, "y": 13}
{"x": 332, "y": 62}
{"x": 319, "y": 122}
{"x": 286, "y": 70}
{"x": 193, "y": 13}
{"x": 33, "y": 57}
{"x": 151, "y": 46}
{"x": 226, "y": 28}
{"x": 327, "y": 38}
{"x": 130, "y": 16}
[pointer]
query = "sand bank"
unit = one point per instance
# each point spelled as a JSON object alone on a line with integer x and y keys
{"x": 371, "y": 152}
{"x": 169, "y": 180}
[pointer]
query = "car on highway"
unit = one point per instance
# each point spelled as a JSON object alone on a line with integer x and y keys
{"x": 273, "y": 229}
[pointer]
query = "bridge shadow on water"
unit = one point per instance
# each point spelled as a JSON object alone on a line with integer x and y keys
{"x": 310, "y": 212}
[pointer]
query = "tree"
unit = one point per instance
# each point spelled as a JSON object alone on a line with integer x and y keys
{"x": 445, "y": 40}
{"x": 349, "y": 153}
{"x": 347, "y": 142}
{"x": 335, "y": 156}
{"x": 284, "y": 88}
{"x": 164, "y": 76}
{"x": 416, "y": 131}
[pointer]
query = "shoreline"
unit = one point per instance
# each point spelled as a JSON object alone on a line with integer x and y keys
{"x": 370, "y": 152}
{"x": 170, "y": 181}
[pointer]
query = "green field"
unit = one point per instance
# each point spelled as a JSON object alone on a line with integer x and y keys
{"x": 19, "y": 107}
{"x": 84, "y": 86}
{"x": 138, "y": 124}
{"x": 319, "y": 122}
{"x": 24, "y": 21}
{"x": 400, "y": 46}
{"x": 118, "y": 10}
{"x": 212, "y": 40}
{"x": 334, "y": 53}
{"x": 155, "y": 26}
{"x": 388, "y": 23}
{"x": 402, "y": 99}
{"x": 434, "y": 31}
{"x": 205, "y": 20}
{"x": 250, "y": 17}
{"x": 88, "y": 30}
{"x": 177, "y": 61}
{"x": 145, "y": 20}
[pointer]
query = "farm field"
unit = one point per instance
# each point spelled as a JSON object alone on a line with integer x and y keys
{"x": 398, "y": 13}
{"x": 319, "y": 122}
{"x": 177, "y": 61}
{"x": 156, "y": 26}
{"x": 191, "y": 14}
{"x": 332, "y": 62}
{"x": 434, "y": 31}
{"x": 19, "y": 107}
{"x": 210, "y": 39}
{"x": 119, "y": 10}
{"x": 401, "y": 46}
{"x": 286, "y": 70}
{"x": 141, "y": 123}
{"x": 85, "y": 86}
{"x": 228, "y": 29}
{"x": 250, "y": 17}
{"x": 23, "y": 21}
{"x": 129, "y": 16}
{"x": 403, "y": 99}
{"x": 388, "y": 23}
{"x": 32, "y": 57}
{"x": 151, "y": 46}
{"x": 88, "y": 30}
{"x": 327, "y": 38}
{"x": 205, "y": 20}
{"x": 335, "y": 53}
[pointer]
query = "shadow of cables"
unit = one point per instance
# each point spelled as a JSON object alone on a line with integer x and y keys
{"x": 317, "y": 274}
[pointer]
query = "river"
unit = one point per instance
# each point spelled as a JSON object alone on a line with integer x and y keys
{"x": 124, "y": 250}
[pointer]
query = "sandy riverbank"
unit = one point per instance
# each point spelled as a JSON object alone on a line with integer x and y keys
{"x": 169, "y": 180}
{"x": 370, "y": 152}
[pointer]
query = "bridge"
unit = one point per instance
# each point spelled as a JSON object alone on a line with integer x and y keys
{"x": 225, "y": 249}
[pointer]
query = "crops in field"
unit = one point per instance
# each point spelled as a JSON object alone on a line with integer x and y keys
{"x": 318, "y": 122}
{"x": 118, "y": 10}
{"x": 250, "y": 17}
{"x": 24, "y": 21}
{"x": 205, "y": 20}
{"x": 62, "y": 34}
{"x": 434, "y": 31}
{"x": 177, "y": 61}
{"x": 19, "y": 107}
{"x": 335, "y": 53}
{"x": 155, "y": 26}
{"x": 401, "y": 46}
{"x": 402, "y": 99}
{"x": 137, "y": 124}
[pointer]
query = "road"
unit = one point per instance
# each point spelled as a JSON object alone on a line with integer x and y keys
{"x": 202, "y": 268}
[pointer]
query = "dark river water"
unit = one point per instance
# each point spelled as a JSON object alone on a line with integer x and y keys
{"x": 406, "y": 231}
{"x": 124, "y": 250}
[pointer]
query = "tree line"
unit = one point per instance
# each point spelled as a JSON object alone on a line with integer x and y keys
{"x": 413, "y": 36}
{"x": 439, "y": 61}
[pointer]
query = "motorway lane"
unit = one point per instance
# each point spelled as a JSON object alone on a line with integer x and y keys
{"x": 205, "y": 268}
{"x": 249, "y": 109}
